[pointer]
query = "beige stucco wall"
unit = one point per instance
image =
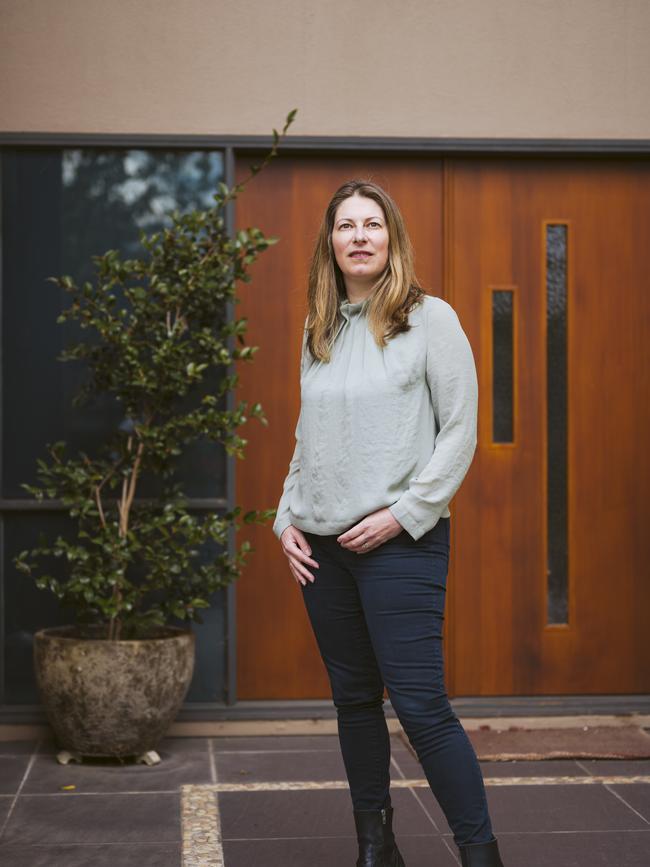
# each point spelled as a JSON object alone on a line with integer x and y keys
{"x": 498, "y": 68}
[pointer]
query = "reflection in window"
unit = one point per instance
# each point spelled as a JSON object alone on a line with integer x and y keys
{"x": 60, "y": 208}
{"x": 502, "y": 365}
{"x": 107, "y": 197}
{"x": 556, "y": 396}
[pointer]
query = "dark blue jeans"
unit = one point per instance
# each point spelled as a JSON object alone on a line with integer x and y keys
{"x": 378, "y": 620}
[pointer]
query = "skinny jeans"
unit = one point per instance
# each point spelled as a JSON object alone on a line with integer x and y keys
{"x": 377, "y": 619}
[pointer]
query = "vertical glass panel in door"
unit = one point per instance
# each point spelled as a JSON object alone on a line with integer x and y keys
{"x": 502, "y": 365}
{"x": 557, "y": 402}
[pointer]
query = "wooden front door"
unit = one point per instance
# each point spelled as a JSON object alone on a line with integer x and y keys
{"x": 547, "y": 265}
{"x": 277, "y": 655}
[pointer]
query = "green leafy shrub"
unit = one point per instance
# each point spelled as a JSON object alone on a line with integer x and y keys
{"x": 161, "y": 329}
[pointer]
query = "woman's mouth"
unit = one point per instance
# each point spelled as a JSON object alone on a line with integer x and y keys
{"x": 360, "y": 255}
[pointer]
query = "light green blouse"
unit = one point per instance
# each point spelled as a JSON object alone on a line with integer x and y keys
{"x": 393, "y": 427}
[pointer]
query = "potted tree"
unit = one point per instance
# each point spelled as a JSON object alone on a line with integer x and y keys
{"x": 113, "y": 681}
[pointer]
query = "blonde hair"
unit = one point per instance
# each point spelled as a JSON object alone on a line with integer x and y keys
{"x": 393, "y": 294}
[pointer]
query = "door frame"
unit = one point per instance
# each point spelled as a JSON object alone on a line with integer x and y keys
{"x": 234, "y": 146}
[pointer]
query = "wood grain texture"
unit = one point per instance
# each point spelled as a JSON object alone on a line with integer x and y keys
{"x": 501, "y": 642}
{"x": 277, "y": 655}
{"x": 478, "y": 224}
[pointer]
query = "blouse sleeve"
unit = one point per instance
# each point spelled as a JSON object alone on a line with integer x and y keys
{"x": 283, "y": 515}
{"x": 451, "y": 377}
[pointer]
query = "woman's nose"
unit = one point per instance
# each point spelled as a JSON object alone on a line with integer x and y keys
{"x": 359, "y": 233}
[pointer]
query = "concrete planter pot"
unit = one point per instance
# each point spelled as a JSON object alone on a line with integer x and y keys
{"x": 112, "y": 698}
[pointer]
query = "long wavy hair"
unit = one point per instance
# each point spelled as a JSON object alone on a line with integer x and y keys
{"x": 395, "y": 292}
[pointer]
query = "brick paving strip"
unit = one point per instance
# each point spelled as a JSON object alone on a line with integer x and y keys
{"x": 202, "y": 844}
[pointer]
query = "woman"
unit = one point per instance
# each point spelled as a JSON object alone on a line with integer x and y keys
{"x": 386, "y": 370}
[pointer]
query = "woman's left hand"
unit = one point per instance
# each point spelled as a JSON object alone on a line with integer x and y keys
{"x": 371, "y": 532}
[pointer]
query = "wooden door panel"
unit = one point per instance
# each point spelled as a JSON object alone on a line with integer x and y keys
{"x": 277, "y": 656}
{"x": 497, "y": 640}
{"x": 502, "y": 644}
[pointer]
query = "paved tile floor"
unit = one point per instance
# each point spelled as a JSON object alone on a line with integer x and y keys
{"x": 283, "y": 800}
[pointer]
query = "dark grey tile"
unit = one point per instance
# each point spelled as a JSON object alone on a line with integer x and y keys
{"x": 564, "y": 808}
{"x": 429, "y": 805}
{"x": 271, "y": 743}
{"x": 397, "y": 746}
{"x": 254, "y": 767}
{"x": 428, "y": 851}
{"x": 407, "y": 764}
{"x": 312, "y": 852}
{"x": 176, "y": 767}
{"x": 166, "y": 746}
{"x": 605, "y": 767}
{"x": 169, "y": 746}
{"x": 113, "y": 855}
{"x": 637, "y": 795}
{"x": 71, "y": 818}
{"x": 308, "y": 813}
{"x": 12, "y": 770}
{"x": 5, "y": 804}
{"x": 607, "y": 849}
{"x": 412, "y": 769}
{"x": 17, "y": 748}
{"x": 326, "y": 851}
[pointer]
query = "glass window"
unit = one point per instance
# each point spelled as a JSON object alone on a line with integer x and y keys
{"x": 59, "y": 208}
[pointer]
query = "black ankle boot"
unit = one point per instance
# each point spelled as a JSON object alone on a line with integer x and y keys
{"x": 481, "y": 854}
{"x": 377, "y": 846}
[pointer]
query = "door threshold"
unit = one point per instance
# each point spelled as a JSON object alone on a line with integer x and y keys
{"x": 319, "y": 715}
{"x": 466, "y": 707}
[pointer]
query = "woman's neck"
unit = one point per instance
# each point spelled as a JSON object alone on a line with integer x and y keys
{"x": 357, "y": 290}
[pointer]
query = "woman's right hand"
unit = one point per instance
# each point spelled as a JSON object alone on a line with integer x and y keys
{"x": 296, "y": 547}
